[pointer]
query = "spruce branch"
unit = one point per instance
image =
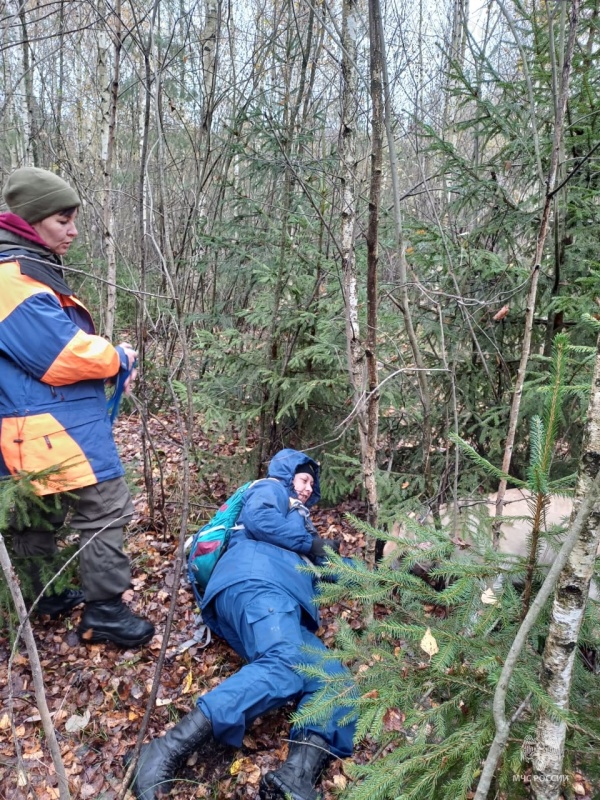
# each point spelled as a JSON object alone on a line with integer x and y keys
{"x": 483, "y": 463}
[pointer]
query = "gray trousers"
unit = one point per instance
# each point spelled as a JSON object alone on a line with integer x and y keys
{"x": 99, "y": 512}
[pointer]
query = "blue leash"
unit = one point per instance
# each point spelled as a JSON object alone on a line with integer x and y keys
{"x": 114, "y": 401}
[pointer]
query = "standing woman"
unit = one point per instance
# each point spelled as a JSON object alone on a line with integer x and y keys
{"x": 53, "y": 416}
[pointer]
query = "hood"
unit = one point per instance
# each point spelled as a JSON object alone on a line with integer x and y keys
{"x": 283, "y": 467}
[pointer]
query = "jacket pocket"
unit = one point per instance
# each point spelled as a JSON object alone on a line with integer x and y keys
{"x": 273, "y": 624}
{"x": 40, "y": 443}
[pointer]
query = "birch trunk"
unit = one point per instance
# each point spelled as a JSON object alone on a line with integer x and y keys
{"x": 568, "y": 609}
{"x": 369, "y": 456}
{"x": 456, "y": 55}
{"x": 30, "y": 144}
{"x": 347, "y": 152}
{"x": 110, "y": 93}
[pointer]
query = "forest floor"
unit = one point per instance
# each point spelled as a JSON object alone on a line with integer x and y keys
{"x": 98, "y": 694}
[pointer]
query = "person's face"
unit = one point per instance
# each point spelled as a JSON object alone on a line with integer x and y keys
{"x": 303, "y": 486}
{"x": 57, "y": 230}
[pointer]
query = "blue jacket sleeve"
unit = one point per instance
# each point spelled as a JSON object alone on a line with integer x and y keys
{"x": 267, "y": 517}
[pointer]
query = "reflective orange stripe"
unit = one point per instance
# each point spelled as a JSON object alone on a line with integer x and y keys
{"x": 39, "y": 443}
{"x": 86, "y": 357}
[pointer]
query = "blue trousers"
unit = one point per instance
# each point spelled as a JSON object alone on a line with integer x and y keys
{"x": 264, "y": 626}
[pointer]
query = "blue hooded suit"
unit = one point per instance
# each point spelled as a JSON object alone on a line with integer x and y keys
{"x": 264, "y": 606}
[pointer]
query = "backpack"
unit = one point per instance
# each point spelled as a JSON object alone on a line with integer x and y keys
{"x": 210, "y": 542}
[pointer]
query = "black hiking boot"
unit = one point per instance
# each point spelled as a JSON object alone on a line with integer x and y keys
{"x": 296, "y": 779}
{"x": 53, "y": 605}
{"x": 161, "y": 758}
{"x": 113, "y": 621}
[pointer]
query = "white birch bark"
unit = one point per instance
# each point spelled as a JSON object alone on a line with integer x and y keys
{"x": 568, "y": 609}
{"x": 109, "y": 87}
{"x": 208, "y": 43}
{"x": 26, "y": 106}
{"x": 372, "y": 237}
{"x": 347, "y": 152}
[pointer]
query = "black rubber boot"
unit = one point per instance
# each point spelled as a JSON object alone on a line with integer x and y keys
{"x": 113, "y": 621}
{"x": 53, "y": 605}
{"x": 161, "y": 758}
{"x": 296, "y": 779}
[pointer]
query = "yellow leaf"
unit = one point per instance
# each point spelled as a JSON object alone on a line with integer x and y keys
{"x": 489, "y": 598}
{"x": 187, "y": 684}
{"x": 429, "y": 644}
{"x": 236, "y": 766}
{"x": 4, "y": 722}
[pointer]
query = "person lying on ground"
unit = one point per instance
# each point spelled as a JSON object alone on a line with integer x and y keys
{"x": 265, "y": 607}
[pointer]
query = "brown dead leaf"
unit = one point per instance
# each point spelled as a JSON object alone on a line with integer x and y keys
{"x": 393, "y": 719}
{"x": 501, "y": 314}
{"x": 459, "y": 542}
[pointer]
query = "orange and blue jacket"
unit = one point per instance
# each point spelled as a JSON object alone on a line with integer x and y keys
{"x": 53, "y": 368}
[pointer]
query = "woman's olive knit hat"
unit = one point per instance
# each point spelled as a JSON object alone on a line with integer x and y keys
{"x": 34, "y": 194}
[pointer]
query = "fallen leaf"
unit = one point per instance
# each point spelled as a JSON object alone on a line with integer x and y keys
{"x": 501, "y": 314}
{"x": 429, "y": 644}
{"x": 4, "y": 722}
{"x": 77, "y": 722}
{"x": 187, "y": 683}
{"x": 393, "y": 719}
{"x": 236, "y": 767}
